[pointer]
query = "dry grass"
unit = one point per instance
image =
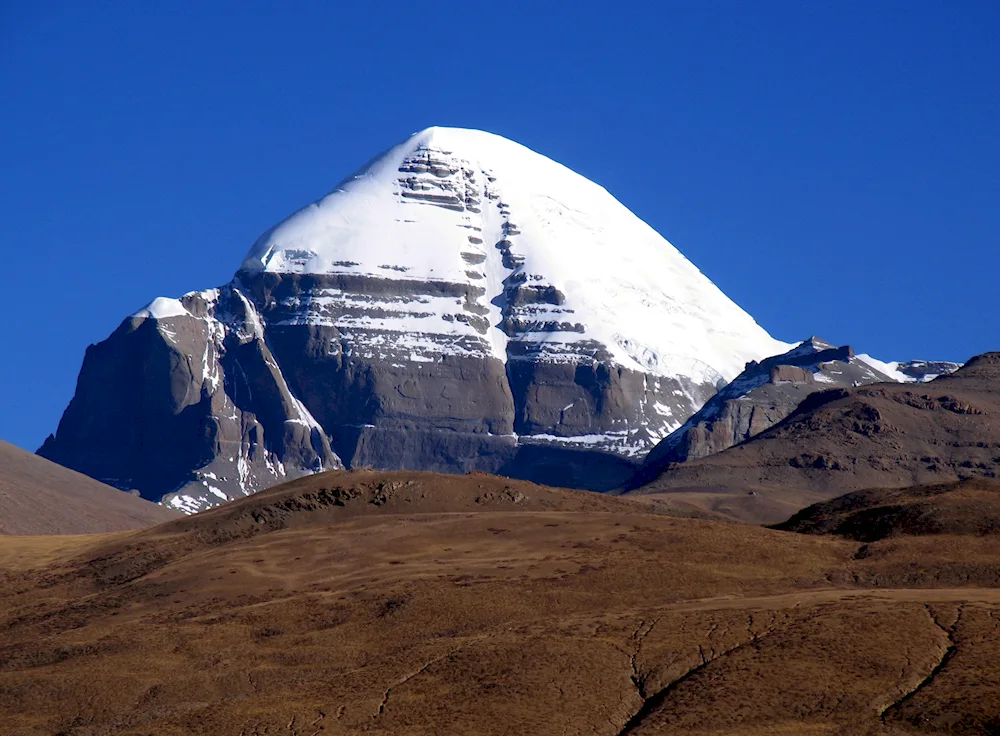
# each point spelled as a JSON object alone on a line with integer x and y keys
{"x": 414, "y": 608}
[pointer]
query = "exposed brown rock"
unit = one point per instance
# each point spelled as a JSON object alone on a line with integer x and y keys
{"x": 790, "y": 374}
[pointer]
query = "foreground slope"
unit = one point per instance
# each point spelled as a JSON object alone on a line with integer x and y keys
{"x": 40, "y": 497}
{"x": 460, "y": 303}
{"x": 883, "y": 435}
{"x": 402, "y": 603}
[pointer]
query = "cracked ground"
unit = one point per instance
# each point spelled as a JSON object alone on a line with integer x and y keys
{"x": 444, "y": 611}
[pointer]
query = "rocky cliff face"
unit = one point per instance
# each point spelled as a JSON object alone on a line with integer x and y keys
{"x": 461, "y": 303}
{"x": 185, "y": 402}
{"x": 767, "y": 392}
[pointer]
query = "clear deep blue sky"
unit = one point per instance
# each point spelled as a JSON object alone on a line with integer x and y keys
{"x": 833, "y": 166}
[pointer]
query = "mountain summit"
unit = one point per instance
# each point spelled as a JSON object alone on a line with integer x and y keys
{"x": 460, "y": 303}
{"x": 548, "y": 258}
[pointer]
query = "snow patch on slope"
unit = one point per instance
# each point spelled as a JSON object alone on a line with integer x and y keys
{"x": 889, "y": 369}
{"x": 163, "y": 307}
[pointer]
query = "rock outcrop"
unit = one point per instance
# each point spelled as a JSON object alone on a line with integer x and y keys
{"x": 185, "y": 402}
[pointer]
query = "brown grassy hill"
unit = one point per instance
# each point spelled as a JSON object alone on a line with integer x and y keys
{"x": 970, "y": 507}
{"x": 884, "y": 435}
{"x": 405, "y": 603}
{"x": 40, "y": 497}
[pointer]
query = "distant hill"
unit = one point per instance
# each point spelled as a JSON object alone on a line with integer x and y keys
{"x": 879, "y": 436}
{"x": 40, "y": 497}
{"x": 767, "y": 392}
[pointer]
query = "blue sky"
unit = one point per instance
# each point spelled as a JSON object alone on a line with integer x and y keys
{"x": 833, "y": 167}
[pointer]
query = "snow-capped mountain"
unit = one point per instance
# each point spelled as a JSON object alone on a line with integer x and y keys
{"x": 768, "y": 391}
{"x": 461, "y": 303}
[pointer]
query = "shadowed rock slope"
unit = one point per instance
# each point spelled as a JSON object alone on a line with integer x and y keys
{"x": 350, "y": 603}
{"x": 40, "y": 497}
{"x": 883, "y": 435}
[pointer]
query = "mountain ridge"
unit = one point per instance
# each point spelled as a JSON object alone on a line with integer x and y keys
{"x": 845, "y": 439}
{"x": 768, "y": 391}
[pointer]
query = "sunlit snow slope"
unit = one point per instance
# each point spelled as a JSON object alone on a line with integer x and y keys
{"x": 467, "y": 207}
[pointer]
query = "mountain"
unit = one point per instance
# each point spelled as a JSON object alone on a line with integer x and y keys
{"x": 40, "y": 497}
{"x": 411, "y": 603}
{"x": 879, "y": 436}
{"x": 768, "y": 391}
{"x": 460, "y": 303}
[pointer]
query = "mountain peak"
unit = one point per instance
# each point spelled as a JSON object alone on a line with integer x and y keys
{"x": 479, "y": 212}
{"x": 460, "y": 303}
{"x": 468, "y": 138}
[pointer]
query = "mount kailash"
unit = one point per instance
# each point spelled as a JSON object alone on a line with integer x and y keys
{"x": 460, "y": 303}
